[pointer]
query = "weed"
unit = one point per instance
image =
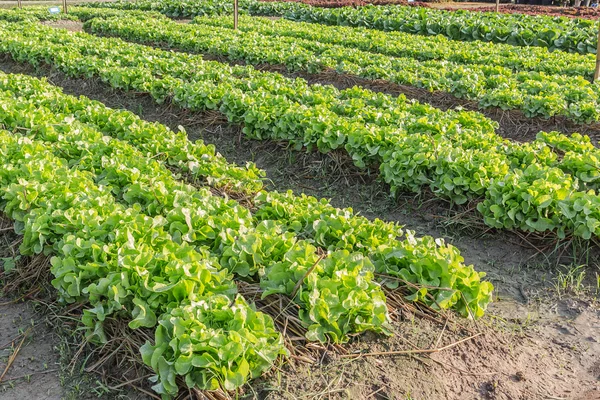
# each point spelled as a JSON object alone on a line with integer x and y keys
{"x": 570, "y": 280}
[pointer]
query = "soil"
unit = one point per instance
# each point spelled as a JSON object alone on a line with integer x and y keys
{"x": 23, "y": 333}
{"x": 536, "y": 342}
{"x": 36, "y": 358}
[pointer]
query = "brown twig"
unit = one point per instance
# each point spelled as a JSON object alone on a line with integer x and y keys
{"x": 373, "y": 393}
{"x": 129, "y": 382}
{"x": 25, "y": 296}
{"x": 139, "y": 389}
{"x": 13, "y": 356}
{"x": 437, "y": 342}
{"x": 418, "y": 351}
{"x": 29, "y": 375}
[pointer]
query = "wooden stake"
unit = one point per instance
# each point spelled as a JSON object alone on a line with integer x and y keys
{"x": 65, "y": 6}
{"x": 497, "y": 5}
{"x": 19, "y": 4}
{"x": 235, "y": 14}
{"x": 597, "y": 70}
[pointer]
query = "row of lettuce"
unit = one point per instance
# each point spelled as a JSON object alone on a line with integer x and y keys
{"x": 422, "y": 48}
{"x": 126, "y": 265}
{"x": 42, "y": 13}
{"x": 397, "y": 44}
{"x": 94, "y": 187}
{"x": 554, "y": 33}
{"x": 457, "y": 155}
{"x": 534, "y": 93}
{"x": 537, "y": 82}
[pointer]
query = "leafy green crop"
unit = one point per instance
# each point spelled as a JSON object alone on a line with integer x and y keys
{"x": 535, "y": 93}
{"x": 435, "y": 267}
{"x": 41, "y": 13}
{"x": 135, "y": 243}
{"x": 196, "y": 217}
{"x": 422, "y": 48}
{"x": 124, "y": 263}
{"x": 156, "y": 140}
{"x": 175, "y": 9}
{"x": 391, "y": 43}
{"x": 579, "y": 156}
{"x": 456, "y": 154}
{"x": 555, "y": 33}
{"x": 227, "y": 345}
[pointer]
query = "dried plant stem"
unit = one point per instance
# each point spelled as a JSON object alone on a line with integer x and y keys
{"x": 311, "y": 269}
{"x": 417, "y": 351}
{"x": 13, "y": 356}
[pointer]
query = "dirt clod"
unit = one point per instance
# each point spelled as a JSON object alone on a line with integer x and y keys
{"x": 520, "y": 376}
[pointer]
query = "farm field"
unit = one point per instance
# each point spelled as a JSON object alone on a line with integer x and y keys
{"x": 568, "y": 34}
{"x": 535, "y": 93}
{"x": 363, "y": 210}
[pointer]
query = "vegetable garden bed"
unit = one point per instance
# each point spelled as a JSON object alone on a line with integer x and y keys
{"x": 555, "y": 33}
{"x": 553, "y": 211}
{"x": 534, "y": 94}
{"x": 390, "y": 375}
{"x": 214, "y": 279}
